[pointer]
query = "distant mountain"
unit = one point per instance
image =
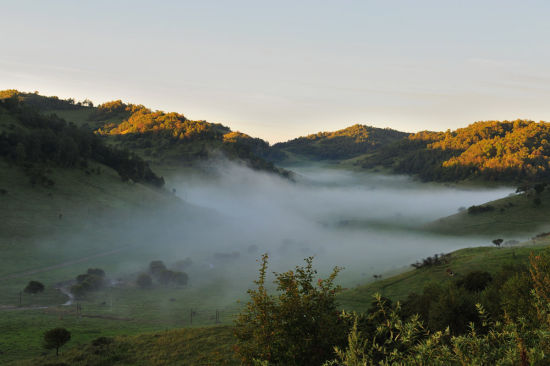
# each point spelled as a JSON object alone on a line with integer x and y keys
{"x": 510, "y": 151}
{"x": 338, "y": 145}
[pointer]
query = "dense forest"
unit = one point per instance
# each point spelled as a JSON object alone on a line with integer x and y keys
{"x": 492, "y": 150}
{"x": 34, "y": 140}
{"x": 338, "y": 145}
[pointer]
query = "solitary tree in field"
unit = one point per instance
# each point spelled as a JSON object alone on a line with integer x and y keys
{"x": 497, "y": 242}
{"x": 56, "y": 338}
{"x": 34, "y": 287}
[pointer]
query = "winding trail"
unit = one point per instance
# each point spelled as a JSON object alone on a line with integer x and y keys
{"x": 65, "y": 291}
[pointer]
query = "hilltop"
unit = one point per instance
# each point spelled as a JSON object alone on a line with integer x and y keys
{"x": 499, "y": 151}
{"x": 343, "y": 144}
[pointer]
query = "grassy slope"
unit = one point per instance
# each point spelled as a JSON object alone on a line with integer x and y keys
{"x": 462, "y": 261}
{"x": 205, "y": 346}
{"x": 514, "y": 215}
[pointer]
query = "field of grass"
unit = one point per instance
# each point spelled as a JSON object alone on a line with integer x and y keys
{"x": 202, "y": 346}
{"x": 129, "y": 311}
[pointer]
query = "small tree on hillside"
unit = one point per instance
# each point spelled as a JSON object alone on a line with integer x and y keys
{"x": 34, "y": 287}
{"x": 56, "y": 338}
{"x": 497, "y": 242}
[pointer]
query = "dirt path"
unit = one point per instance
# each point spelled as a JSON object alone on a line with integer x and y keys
{"x": 63, "y": 264}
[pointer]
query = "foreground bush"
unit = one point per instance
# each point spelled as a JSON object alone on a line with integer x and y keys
{"x": 300, "y": 326}
{"x": 407, "y": 342}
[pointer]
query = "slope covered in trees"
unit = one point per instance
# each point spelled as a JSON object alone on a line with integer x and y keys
{"x": 33, "y": 141}
{"x": 156, "y": 136}
{"x": 171, "y": 136}
{"x": 339, "y": 145}
{"x": 492, "y": 150}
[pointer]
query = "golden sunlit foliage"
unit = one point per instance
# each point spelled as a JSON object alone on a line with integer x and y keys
{"x": 509, "y": 150}
{"x": 173, "y": 125}
{"x": 171, "y": 136}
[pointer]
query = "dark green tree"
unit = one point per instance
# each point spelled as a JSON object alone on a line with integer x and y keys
{"x": 34, "y": 287}
{"x": 56, "y": 338}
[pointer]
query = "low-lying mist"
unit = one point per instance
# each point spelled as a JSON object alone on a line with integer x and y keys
{"x": 365, "y": 222}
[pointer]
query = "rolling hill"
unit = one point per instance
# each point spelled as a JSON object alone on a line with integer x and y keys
{"x": 339, "y": 145}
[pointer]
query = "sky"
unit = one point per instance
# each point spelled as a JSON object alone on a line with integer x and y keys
{"x": 282, "y": 69}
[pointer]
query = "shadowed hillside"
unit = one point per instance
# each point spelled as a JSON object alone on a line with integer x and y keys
{"x": 338, "y": 145}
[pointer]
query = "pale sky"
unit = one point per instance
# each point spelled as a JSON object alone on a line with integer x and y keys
{"x": 281, "y": 69}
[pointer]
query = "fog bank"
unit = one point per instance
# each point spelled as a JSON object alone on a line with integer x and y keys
{"x": 362, "y": 221}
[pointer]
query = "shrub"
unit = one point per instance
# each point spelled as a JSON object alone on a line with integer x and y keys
{"x": 475, "y": 281}
{"x": 298, "y": 327}
{"x": 34, "y": 287}
{"x": 156, "y": 267}
{"x": 473, "y": 210}
{"x": 144, "y": 280}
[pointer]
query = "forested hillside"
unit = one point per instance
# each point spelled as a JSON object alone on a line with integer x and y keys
{"x": 35, "y": 141}
{"x": 156, "y": 136}
{"x": 492, "y": 150}
{"x": 160, "y": 135}
{"x": 339, "y": 145}
{"x": 505, "y": 151}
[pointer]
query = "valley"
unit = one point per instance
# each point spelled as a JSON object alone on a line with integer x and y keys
{"x": 209, "y": 204}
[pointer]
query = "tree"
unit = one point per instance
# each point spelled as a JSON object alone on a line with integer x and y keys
{"x": 475, "y": 281}
{"x": 96, "y": 271}
{"x": 34, "y": 287}
{"x": 300, "y": 326}
{"x": 56, "y": 338}
{"x": 156, "y": 268}
{"x": 144, "y": 280}
{"x": 87, "y": 102}
{"x": 497, "y": 242}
